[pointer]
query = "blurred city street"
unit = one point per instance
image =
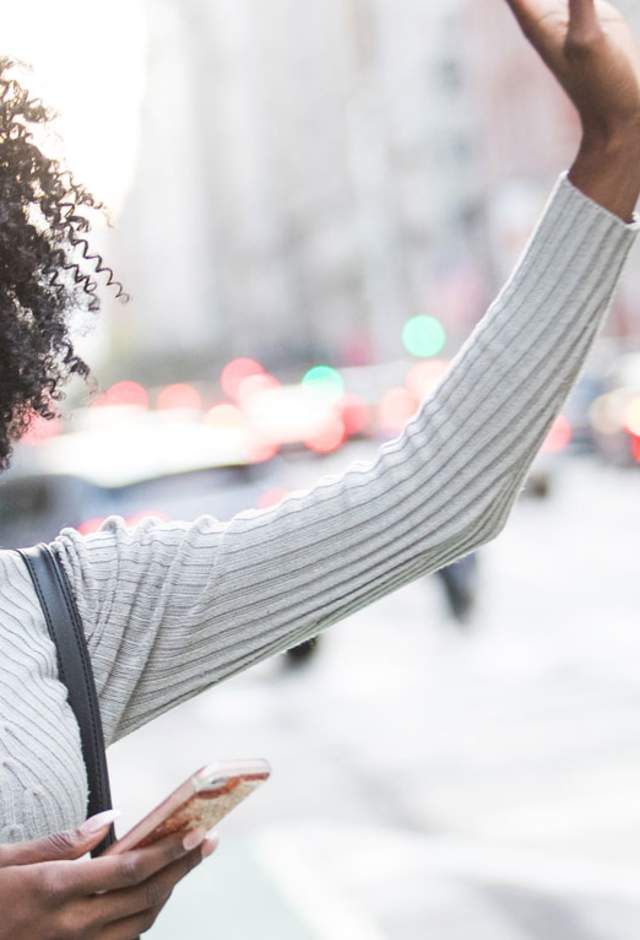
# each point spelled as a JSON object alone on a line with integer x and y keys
{"x": 313, "y": 206}
{"x": 431, "y": 780}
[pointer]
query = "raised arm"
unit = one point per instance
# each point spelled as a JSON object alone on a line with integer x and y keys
{"x": 172, "y": 608}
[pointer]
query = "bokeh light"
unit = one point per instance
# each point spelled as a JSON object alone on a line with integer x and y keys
{"x": 424, "y": 336}
{"x": 635, "y": 448}
{"x": 272, "y": 497}
{"x": 356, "y": 414}
{"x": 254, "y": 385}
{"x": 633, "y": 417}
{"x": 98, "y": 118}
{"x": 179, "y": 396}
{"x": 606, "y": 413}
{"x": 224, "y": 415}
{"x": 397, "y": 406}
{"x": 123, "y": 393}
{"x": 235, "y": 372}
{"x": 262, "y": 451}
{"x": 41, "y": 430}
{"x": 326, "y": 378}
{"x": 559, "y": 436}
{"x": 423, "y": 377}
{"x": 137, "y": 517}
{"x": 91, "y": 525}
{"x": 328, "y": 440}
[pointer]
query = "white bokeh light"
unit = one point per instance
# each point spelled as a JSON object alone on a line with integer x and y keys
{"x": 88, "y": 63}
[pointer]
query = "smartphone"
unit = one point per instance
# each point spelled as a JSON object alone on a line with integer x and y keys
{"x": 199, "y": 803}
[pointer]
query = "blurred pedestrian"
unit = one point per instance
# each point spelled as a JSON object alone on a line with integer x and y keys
{"x": 459, "y": 581}
{"x": 171, "y": 608}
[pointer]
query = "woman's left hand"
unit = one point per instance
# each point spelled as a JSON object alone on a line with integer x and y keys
{"x": 591, "y": 50}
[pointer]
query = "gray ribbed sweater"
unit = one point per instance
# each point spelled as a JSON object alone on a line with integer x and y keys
{"x": 171, "y": 608}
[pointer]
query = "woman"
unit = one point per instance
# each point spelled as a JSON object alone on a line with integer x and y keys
{"x": 170, "y": 609}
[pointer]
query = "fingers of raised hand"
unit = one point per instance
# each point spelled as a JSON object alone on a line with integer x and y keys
{"x": 543, "y": 23}
{"x": 582, "y": 15}
{"x": 528, "y": 13}
{"x": 584, "y": 29}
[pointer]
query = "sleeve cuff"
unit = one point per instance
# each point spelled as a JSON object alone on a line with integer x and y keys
{"x": 576, "y": 194}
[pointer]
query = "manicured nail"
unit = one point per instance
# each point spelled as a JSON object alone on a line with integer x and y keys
{"x": 193, "y": 839}
{"x": 209, "y": 845}
{"x": 98, "y": 822}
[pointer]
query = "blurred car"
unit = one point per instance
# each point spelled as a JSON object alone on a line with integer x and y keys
{"x": 570, "y": 435}
{"x": 133, "y": 464}
{"x": 615, "y": 415}
{"x": 589, "y": 387}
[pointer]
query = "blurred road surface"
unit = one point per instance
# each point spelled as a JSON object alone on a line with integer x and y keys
{"x": 430, "y": 782}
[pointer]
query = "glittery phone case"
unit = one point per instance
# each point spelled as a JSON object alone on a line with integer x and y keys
{"x": 199, "y": 803}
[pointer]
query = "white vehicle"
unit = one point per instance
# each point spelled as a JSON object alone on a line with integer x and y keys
{"x": 132, "y": 463}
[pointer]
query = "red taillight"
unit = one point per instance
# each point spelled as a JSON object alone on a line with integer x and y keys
{"x": 235, "y": 372}
{"x": 179, "y": 396}
{"x": 123, "y": 393}
{"x": 146, "y": 514}
{"x": 41, "y": 429}
{"x": 397, "y": 407}
{"x": 633, "y": 417}
{"x": 559, "y": 436}
{"x": 272, "y": 497}
{"x": 355, "y": 414}
{"x": 329, "y": 439}
{"x": 90, "y": 525}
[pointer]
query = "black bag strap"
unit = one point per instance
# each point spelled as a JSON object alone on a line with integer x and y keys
{"x": 74, "y": 665}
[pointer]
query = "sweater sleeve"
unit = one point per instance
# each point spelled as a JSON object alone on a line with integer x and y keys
{"x": 171, "y": 608}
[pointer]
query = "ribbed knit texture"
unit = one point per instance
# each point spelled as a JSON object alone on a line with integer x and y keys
{"x": 171, "y": 608}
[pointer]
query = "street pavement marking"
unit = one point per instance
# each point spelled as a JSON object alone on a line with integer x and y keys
{"x": 328, "y": 914}
{"x": 403, "y": 854}
{"x": 535, "y": 871}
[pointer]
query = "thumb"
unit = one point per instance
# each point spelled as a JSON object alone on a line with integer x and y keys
{"x": 73, "y": 843}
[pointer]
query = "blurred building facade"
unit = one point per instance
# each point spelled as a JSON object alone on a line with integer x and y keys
{"x": 528, "y": 132}
{"x": 305, "y": 176}
{"x": 310, "y": 176}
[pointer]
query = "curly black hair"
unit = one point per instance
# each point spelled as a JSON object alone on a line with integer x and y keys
{"x": 47, "y": 267}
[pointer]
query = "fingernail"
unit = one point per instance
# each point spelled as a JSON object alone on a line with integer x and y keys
{"x": 99, "y": 821}
{"x": 209, "y": 845}
{"x": 193, "y": 839}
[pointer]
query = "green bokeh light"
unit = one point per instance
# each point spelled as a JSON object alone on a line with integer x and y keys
{"x": 424, "y": 336}
{"x": 325, "y": 376}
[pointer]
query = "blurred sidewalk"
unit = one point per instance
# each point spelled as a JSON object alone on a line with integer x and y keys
{"x": 430, "y": 782}
{"x": 233, "y": 899}
{"x": 284, "y": 886}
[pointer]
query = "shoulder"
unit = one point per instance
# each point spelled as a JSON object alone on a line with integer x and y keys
{"x": 19, "y": 600}
{"x": 40, "y": 738}
{"x": 28, "y": 653}
{"x": 23, "y": 629}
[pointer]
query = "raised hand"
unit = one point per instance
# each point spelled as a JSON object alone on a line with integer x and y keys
{"x": 591, "y": 50}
